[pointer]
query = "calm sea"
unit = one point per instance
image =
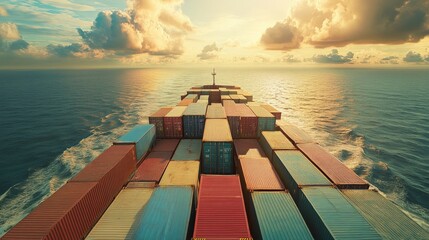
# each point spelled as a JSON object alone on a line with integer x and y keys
{"x": 53, "y": 123}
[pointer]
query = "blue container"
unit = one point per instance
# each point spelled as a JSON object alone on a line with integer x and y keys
{"x": 217, "y": 158}
{"x": 166, "y": 215}
{"x": 194, "y": 120}
{"x": 277, "y": 217}
{"x": 296, "y": 171}
{"x": 266, "y": 124}
{"x": 329, "y": 215}
{"x": 188, "y": 150}
{"x": 143, "y": 136}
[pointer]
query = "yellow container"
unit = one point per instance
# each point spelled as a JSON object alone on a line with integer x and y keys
{"x": 181, "y": 173}
{"x": 119, "y": 220}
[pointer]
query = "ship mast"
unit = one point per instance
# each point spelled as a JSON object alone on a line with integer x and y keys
{"x": 214, "y": 76}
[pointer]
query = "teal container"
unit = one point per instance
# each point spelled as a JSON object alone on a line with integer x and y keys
{"x": 266, "y": 124}
{"x": 277, "y": 217}
{"x": 217, "y": 158}
{"x": 296, "y": 171}
{"x": 389, "y": 221}
{"x": 143, "y": 136}
{"x": 188, "y": 150}
{"x": 329, "y": 215}
{"x": 167, "y": 214}
{"x": 194, "y": 120}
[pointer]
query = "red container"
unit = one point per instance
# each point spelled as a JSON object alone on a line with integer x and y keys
{"x": 259, "y": 175}
{"x": 69, "y": 213}
{"x": 165, "y": 145}
{"x": 185, "y": 102}
{"x": 221, "y": 213}
{"x": 173, "y": 124}
{"x": 233, "y": 116}
{"x": 248, "y": 121}
{"x": 248, "y": 148}
{"x": 152, "y": 167}
{"x": 342, "y": 176}
{"x": 157, "y": 119}
{"x": 214, "y": 96}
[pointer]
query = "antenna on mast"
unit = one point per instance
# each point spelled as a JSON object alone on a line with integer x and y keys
{"x": 214, "y": 76}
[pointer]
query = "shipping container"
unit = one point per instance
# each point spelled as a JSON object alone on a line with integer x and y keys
{"x": 142, "y": 136}
{"x": 121, "y": 218}
{"x": 181, "y": 173}
{"x": 233, "y": 116}
{"x": 266, "y": 121}
{"x": 185, "y": 102}
{"x": 236, "y": 98}
{"x": 342, "y": 176}
{"x": 329, "y": 215}
{"x": 225, "y": 97}
{"x": 296, "y": 171}
{"x": 247, "y": 95}
{"x": 277, "y": 217}
{"x": 203, "y": 101}
{"x": 193, "y": 120}
{"x": 194, "y": 97}
{"x": 157, "y": 119}
{"x": 277, "y": 114}
{"x": 69, "y": 213}
{"x": 248, "y": 148}
{"x": 221, "y": 213}
{"x": 173, "y": 123}
{"x": 295, "y": 134}
{"x": 167, "y": 215}
{"x": 188, "y": 150}
{"x": 204, "y": 97}
{"x": 165, "y": 145}
{"x": 254, "y": 103}
{"x": 248, "y": 125}
{"x": 215, "y": 112}
{"x": 141, "y": 185}
{"x": 214, "y": 96}
{"x": 152, "y": 167}
{"x": 194, "y": 91}
{"x": 258, "y": 174}
{"x": 385, "y": 216}
{"x": 217, "y": 147}
{"x": 274, "y": 140}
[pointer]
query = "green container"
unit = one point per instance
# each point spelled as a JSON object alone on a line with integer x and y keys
{"x": 277, "y": 217}
{"x": 188, "y": 150}
{"x": 329, "y": 215}
{"x": 389, "y": 221}
{"x": 296, "y": 171}
{"x": 217, "y": 158}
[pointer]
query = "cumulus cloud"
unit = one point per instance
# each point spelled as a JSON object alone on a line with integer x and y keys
{"x": 10, "y": 38}
{"x": 74, "y": 50}
{"x": 413, "y": 57}
{"x": 290, "y": 59}
{"x": 390, "y": 60}
{"x": 209, "y": 52}
{"x": 333, "y": 57}
{"x": 3, "y": 11}
{"x": 148, "y": 26}
{"x": 340, "y": 22}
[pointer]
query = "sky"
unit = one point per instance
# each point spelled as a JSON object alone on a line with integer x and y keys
{"x": 148, "y": 33}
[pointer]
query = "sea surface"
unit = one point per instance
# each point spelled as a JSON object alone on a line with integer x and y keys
{"x": 54, "y": 122}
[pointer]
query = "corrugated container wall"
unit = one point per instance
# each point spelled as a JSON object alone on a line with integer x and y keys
{"x": 277, "y": 114}
{"x": 217, "y": 147}
{"x": 295, "y": 134}
{"x": 221, "y": 213}
{"x": 248, "y": 122}
{"x": 266, "y": 121}
{"x": 121, "y": 218}
{"x": 152, "y": 167}
{"x": 330, "y": 216}
{"x": 342, "y": 176}
{"x": 233, "y": 117}
{"x": 165, "y": 145}
{"x": 173, "y": 124}
{"x": 277, "y": 217}
{"x": 167, "y": 214}
{"x": 157, "y": 119}
{"x": 258, "y": 174}
{"x": 188, "y": 150}
{"x": 181, "y": 173}
{"x": 214, "y": 96}
{"x": 248, "y": 148}
{"x": 296, "y": 171}
{"x": 389, "y": 221}
{"x": 193, "y": 120}
{"x": 142, "y": 136}
{"x": 274, "y": 140}
{"x": 69, "y": 213}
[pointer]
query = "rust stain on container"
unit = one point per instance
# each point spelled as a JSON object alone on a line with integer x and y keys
{"x": 157, "y": 119}
{"x": 165, "y": 145}
{"x": 259, "y": 174}
{"x": 342, "y": 176}
{"x": 153, "y": 167}
{"x": 248, "y": 148}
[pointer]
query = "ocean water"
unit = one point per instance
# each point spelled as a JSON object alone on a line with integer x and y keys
{"x": 53, "y": 123}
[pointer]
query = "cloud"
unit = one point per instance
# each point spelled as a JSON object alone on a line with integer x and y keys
{"x": 10, "y": 38}
{"x": 290, "y": 59}
{"x": 66, "y": 4}
{"x": 413, "y": 57}
{"x": 333, "y": 57}
{"x": 3, "y": 12}
{"x": 390, "y": 60}
{"x": 209, "y": 52}
{"x": 148, "y": 26}
{"x": 74, "y": 50}
{"x": 341, "y": 22}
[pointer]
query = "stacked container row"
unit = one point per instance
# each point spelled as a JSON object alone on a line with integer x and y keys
{"x": 215, "y": 111}
{"x": 266, "y": 121}
{"x": 193, "y": 120}
{"x": 274, "y": 140}
{"x": 152, "y": 167}
{"x": 142, "y": 137}
{"x": 157, "y": 119}
{"x": 173, "y": 124}
{"x": 243, "y": 122}
{"x": 277, "y": 114}
{"x": 295, "y": 134}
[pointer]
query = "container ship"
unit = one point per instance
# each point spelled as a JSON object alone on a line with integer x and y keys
{"x": 218, "y": 165}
